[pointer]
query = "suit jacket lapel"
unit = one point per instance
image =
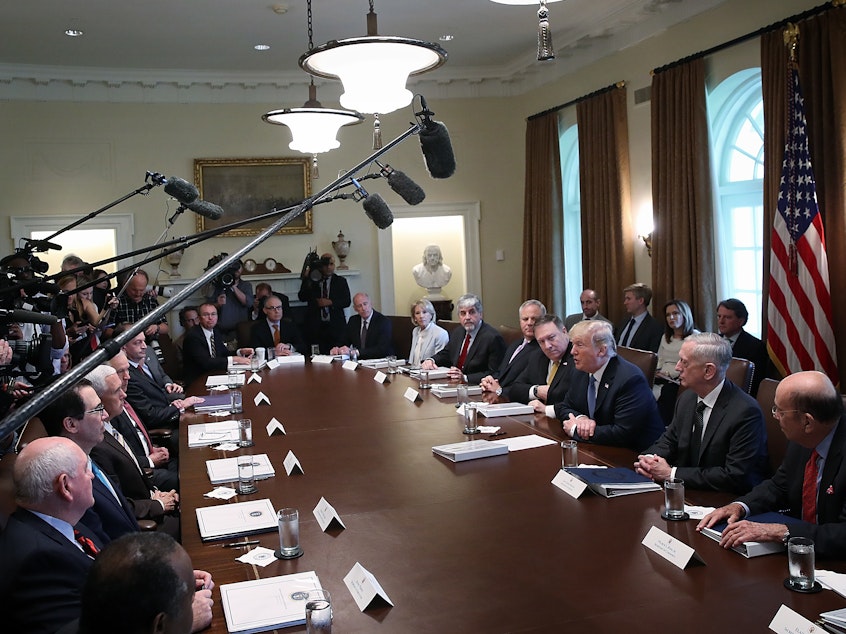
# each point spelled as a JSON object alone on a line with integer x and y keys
{"x": 607, "y": 380}
{"x": 718, "y": 414}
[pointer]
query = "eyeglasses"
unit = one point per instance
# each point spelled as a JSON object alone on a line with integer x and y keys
{"x": 778, "y": 412}
{"x": 274, "y": 307}
{"x": 96, "y": 410}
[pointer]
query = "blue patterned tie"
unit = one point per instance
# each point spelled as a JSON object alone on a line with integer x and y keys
{"x": 591, "y": 396}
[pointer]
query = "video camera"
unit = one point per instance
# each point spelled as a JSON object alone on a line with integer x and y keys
{"x": 313, "y": 264}
{"x": 228, "y": 276}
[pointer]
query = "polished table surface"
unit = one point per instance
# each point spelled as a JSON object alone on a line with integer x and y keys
{"x": 480, "y": 546}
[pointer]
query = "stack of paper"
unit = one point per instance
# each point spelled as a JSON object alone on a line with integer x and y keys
{"x": 245, "y": 367}
{"x": 295, "y": 358}
{"x": 470, "y": 450}
{"x": 212, "y": 433}
{"x": 493, "y": 410}
{"x": 267, "y": 604}
{"x": 224, "y": 380}
{"x": 226, "y": 469}
{"x": 445, "y": 390}
{"x": 835, "y": 621}
{"x": 378, "y": 364}
{"x": 613, "y": 482}
{"x": 214, "y": 403}
{"x": 236, "y": 520}
{"x": 754, "y": 549}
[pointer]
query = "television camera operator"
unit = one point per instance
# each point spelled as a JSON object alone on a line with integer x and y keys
{"x": 327, "y": 295}
{"x": 232, "y": 296}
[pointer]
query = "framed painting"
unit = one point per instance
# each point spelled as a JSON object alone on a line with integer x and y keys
{"x": 246, "y": 188}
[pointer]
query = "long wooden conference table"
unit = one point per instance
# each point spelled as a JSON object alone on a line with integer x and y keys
{"x": 487, "y": 545}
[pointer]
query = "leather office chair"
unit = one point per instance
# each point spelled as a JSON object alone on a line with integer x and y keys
{"x": 646, "y": 360}
{"x": 510, "y": 334}
{"x": 171, "y": 363}
{"x": 740, "y": 372}
{"x": 242, "y": 331}
{"x": 776, "y": 441}
{"x": 449, "y": 325}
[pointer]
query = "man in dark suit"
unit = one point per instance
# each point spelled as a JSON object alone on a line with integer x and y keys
{"x": 590, "y": 309}
{"x": 811, "y": 482}
{"x": 520, "y": 352}
{"x": 547, "y": 377}
{"x": 327, "y": 297}
{"x": 43, "y": 561}
{"x": 475, "y": 350}
{"x": 369, "y": 331}
{"x": 639, "y": 330}
{"x": 73, "y": 415}
{"x": 717, "y": 439}
{"x": 271, "y": 331}
{"x": 204, "y": 349}
{"x": 731, "y": 318}
{"x": 609, "y": 401}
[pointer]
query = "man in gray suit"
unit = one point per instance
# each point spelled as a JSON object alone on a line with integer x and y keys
{"x": 717, "y": 439}
{"x": 590, "y": 309}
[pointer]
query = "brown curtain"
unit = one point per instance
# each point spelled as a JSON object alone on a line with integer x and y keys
{"x": 822, "y": 69}
{"x": 683, "y": 238}
{"x": 542, "y": 208}
{"x": 607, "y": 245}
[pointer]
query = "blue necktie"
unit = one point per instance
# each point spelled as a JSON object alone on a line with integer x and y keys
{"x": 98, "y": 473}
{"x": 591, "y": 395}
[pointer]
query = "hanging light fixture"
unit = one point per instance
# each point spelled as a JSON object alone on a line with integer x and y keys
{"x": 373, "y": 69}
{"x": 314, "y": 129}
{"x": 545, "y": 50}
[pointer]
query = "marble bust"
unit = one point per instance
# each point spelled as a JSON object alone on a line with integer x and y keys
{"x": 432, "y": 274}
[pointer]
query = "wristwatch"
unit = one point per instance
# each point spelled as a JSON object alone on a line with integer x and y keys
{"x": 535, "y": 391}
{"x": 786, "y": 537}
{"x": 498, "y": 391}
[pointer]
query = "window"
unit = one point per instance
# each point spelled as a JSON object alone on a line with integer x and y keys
{"x": 571, "y": 225}
{"x": 736, "y": 112}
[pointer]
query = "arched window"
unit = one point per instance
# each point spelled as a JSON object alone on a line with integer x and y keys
{"x": 571, "y": 222}
{"x": 736, "y": 112}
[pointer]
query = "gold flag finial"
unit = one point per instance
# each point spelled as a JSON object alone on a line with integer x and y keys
{"x": 791, "y": 39}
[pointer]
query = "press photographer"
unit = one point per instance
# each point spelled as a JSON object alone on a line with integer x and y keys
{"x": 232, "y": 296}
{"x": 327, "y": 295}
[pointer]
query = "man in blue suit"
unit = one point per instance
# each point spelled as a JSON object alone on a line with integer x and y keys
{"x": 609, "y": 401}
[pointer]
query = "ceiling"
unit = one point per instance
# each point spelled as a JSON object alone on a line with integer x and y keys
{"x": 190, "y": 43}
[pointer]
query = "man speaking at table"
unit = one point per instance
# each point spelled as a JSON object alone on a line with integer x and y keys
{"x": 811, "y": 482}
{"x": 717, "y": 438}
{"x": 475, "y": 350}
{"x": 609, "y": 401}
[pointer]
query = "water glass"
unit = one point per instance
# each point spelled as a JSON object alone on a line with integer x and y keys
{"x": 392, "y": 364}
{"x": 260, "y": 354}
{"x": 674, "y": 498}
{"x": 315, "y": 349}
{"x": 353, "y": 354}
{"x": 318, "y": 612}
{"x": 289, "y": 533}
{"x": 236, "y": 402}
{"x": 245, "y": 432}
{"x": 801, "y": 562}
{"x": 569, "y": 454}
{"x": 246, "y": 476}
{"x": 424, "y": 380}
{"x": 470, "y": 417}
{"x": 255, "y": 364}
{"x": 233, "y": 379}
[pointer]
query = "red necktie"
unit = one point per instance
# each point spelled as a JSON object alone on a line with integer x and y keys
{"x": 135, "y": 419}
{"x": 463, "y": 356}
{"x": 88, "y": 547}
{"x": 809, "y": 489}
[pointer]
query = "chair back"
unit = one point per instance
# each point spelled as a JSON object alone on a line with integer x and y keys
{"x": 740, "y": 372}
{"x": 776, "y": 441}
{"x": 401, "y": 327}
{"x": 170, "y": 354}
{"x": 242, "y": 333}
{"x": 510, "y": 334}
{"x": 646, "y": 360}
{"x": 449, "y": 325}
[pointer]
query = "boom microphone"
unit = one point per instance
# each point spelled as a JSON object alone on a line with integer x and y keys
{"x": 206, "y": 209}
{"x": 378, "y": 211}
{"x": 435, "y": 144}
{"x": 27, "y": 317}
{"x": 182, "y": 190}
{"x": 410, "y": 191}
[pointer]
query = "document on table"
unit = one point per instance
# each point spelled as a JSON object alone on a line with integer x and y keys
{"x": 526, "y": 442}
{"x": 217, "y": 380}
{"x": 205, "y": 434}
{"x": 223, "y": 470}
{"x": 267, "y": 604}
{"x": 235, "y": 520}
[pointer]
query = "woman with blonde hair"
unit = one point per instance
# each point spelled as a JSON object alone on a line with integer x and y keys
{"x": 427, "y": 338}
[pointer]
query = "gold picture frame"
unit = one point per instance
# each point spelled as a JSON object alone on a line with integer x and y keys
{"x": 250, "y": 187}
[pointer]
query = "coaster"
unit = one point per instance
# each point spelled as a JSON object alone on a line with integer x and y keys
{"x": 684, "y": 516}
{"x": 298, "y": 553}
{"x": 817, "y": 587}
{"x": 467, "y": 432}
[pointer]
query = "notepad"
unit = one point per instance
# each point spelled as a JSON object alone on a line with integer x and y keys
{"x": 235, "y": 520}
{"x": 226, "y": 469}
{"x": 613, "y": 482}
{"x": 206, "y": 434}
{"x": 470, "y": 450}
{"x": 267, "y": 604}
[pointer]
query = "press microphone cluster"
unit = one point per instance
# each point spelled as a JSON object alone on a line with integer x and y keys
{"x": 375, "y": 206}
{"x": 435, "y": 143}
{"x": 189, "y": 197}
{"x": 408, "y": 190}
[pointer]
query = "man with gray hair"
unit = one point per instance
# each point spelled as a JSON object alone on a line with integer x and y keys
{"x": 475, "y": 350}
{"x": 45, "y": 552}
{"x": 521, "y": 352}
{"x": 609, "y": 401}
{"x": 717, "y": 439}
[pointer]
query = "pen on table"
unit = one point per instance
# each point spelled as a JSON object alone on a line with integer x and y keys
{"x": 251, "y": 542}
{"x": 497, "y": 433}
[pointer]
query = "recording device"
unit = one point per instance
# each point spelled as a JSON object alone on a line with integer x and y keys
{"x": 228, "y": 276}
{"x": 435, "y": 143}
{"x": 374, "y": 205}
{"x": 312, "y": 266}
{"x": 410, "y": 191}
{"x": 188, "y": 196}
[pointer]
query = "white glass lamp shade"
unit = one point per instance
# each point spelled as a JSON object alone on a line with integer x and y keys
{"x": 313, "y": 130}
{"x": 373, "y": 69}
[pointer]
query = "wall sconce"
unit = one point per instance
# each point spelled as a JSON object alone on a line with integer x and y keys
{"x": 647, "y": 240}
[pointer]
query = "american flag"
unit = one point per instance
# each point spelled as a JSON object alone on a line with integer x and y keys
{"x": 800, "y": 335}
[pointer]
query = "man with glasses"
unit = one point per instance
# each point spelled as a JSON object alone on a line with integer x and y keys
{"x": 810, "y": 485}
{"x": 205, "y": 349}
{"x": 717, "y": 439}
{"x": 272, "y": 332}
